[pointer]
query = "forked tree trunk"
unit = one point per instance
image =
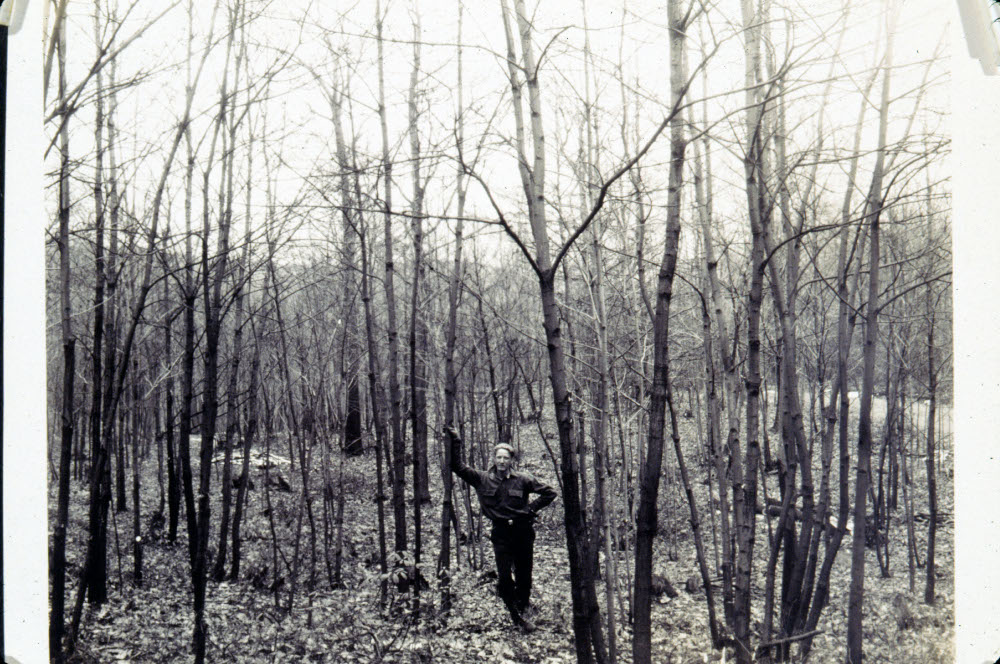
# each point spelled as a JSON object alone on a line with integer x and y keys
{"x": 94, "y": 579}
{"x": 226, "y": 197}
{"x": 587, "y": 628}
{"x": 353, "y": 443}
{"x": 873, "y": 209}
{"x": 840, "y": 402}
{"x": 802, "y": 552}
{"x": 588, "y": 638}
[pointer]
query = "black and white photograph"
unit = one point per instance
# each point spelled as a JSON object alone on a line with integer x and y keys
{"x": 513, "y": 331}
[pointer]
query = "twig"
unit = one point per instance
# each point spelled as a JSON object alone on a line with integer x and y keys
{"x": 787, "y": 639}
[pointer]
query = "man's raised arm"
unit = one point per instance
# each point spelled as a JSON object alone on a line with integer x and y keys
{"x": 458, "y": 466}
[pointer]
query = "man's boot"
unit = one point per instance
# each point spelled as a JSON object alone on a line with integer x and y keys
{"x": 525, "y": 625}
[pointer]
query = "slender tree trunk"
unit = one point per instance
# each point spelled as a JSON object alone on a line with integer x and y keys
{"x": 601, "y": 529}
{"x": 911, "y": 538}
{"x": 248, "y": 439}
{"x": 57, "y": 618}
{"x": 417, "y": 331}
{"x": 157, "y": 440}
{"x": 931, "y": 445}
{"x": 450, "y": 391}
{"x": 695, "y": 521}
{"x": 599, "y": 525}
{"x": 863, "y": 477}
{"x": 121, "y": 459}
{"x": 190, "y": 296}
{"x": 585, "y": 611}
{"x": 395, "y": 415}
{"x": 745, "y": 475}
{"x": 212, "y": 275}
{"x": 233, "y": 428}
{"x": 450, "y": 374}
{"x": 494, "y": 393}
{"x": 226, "y": 197}
{"x": 376, "y": 396}
{"x": 174, "y": 472}
{"x": 94, "y": 577}
{"x": 646, "y": 520}
{"x": 726, "y": 371}
{"x": 100, "y": 275}
{"x": 173, "y": 457}
{"x": 137, "y": 541}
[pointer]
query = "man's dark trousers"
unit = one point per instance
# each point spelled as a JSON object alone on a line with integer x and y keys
{"x": 513, "y": 544}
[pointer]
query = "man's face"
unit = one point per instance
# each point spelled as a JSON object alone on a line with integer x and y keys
{"x": 502, "y": 460}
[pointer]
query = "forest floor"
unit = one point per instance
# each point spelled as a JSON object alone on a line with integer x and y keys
{"x": 153, "y": 623}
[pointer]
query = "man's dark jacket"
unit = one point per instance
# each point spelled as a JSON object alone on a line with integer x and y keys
{"x": 502, "y": 499}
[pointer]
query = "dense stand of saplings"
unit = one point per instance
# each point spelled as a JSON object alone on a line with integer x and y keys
{"x": 806, "y": 276}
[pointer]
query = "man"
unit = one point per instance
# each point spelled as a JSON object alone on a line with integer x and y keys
{"x": 503, "y": 496}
